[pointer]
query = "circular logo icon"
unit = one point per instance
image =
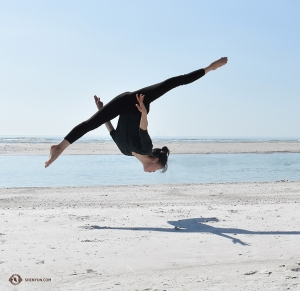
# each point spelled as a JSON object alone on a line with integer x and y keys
{"x": 15, "y": 279}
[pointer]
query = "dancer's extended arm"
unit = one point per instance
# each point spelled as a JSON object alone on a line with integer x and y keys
{"x": 144, "y": 121}
{"x": 99, "y": 105}
{"x": 109, "y": 126}
{"x": 146, "y": 142}
{"x": 141, "y": 107}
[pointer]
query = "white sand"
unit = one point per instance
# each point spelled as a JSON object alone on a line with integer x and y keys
{"x": 175, "y": 147}
{"x": 242, "y": 236}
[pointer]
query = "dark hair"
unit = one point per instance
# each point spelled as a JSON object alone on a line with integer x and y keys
{"x": 162, "y": 155}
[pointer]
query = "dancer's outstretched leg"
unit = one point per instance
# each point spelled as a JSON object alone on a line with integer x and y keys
{"x": 157, "y": 90}
{"x": 107, "y": 112}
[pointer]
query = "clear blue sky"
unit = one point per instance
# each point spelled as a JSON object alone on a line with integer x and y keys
{"x": 55, "y": 55}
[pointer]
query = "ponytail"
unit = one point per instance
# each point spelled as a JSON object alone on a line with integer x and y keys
{"x": 162, "y": 155}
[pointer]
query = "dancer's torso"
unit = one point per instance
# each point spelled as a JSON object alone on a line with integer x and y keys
{"x": 129, "y": 137}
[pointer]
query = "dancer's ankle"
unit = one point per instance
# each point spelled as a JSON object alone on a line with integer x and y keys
{"x": 208, "y": 69}
{"x": 62, "y": 145}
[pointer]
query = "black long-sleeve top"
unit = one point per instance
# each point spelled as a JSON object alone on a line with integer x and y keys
{"x": 129, "y": 137}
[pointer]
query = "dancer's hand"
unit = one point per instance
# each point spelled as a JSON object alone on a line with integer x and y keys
{"x": 99, "y": 104}
{"x": 141, "y": 106}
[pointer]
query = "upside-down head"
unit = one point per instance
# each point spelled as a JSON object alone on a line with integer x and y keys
{"x": 161, "y": 158}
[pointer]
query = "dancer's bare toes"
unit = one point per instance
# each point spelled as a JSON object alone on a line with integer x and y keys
{"x": 54, "y": 154}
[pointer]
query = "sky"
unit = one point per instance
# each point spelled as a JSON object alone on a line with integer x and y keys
{"x": 56, "y": 55}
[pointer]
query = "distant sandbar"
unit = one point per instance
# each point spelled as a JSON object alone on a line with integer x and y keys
{"x": 110, "y": 148}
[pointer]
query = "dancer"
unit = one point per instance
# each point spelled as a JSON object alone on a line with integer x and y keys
{"x": 131, "y": 135}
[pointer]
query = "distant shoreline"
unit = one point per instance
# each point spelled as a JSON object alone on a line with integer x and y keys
{"x": 176, "y": 147}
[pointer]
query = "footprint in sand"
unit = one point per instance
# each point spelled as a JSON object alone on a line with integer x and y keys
{"x": 94, "y": 240}
{"x": 91, "y": 271}
{"x": 293, "y": 267}
{"x": 291, "y": 277}
{"x": 250, "y": 273}
{"x": 78, "y": 217}
{"x": 267, "y": 272}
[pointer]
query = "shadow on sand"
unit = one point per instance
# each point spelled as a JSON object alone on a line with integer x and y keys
{"x": 199, "y": 225}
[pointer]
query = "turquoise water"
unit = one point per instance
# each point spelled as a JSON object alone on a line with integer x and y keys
{"x": 92, "y": 170}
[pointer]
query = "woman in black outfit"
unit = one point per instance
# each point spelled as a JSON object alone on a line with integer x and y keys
{"x": 131, "y": 135}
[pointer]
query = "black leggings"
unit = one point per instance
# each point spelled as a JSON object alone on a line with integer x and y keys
{"x": 125, "y": 103}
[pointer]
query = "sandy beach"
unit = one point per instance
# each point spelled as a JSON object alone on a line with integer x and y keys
{"x": 105, "y": 148}
{"x": 239, "y": 236}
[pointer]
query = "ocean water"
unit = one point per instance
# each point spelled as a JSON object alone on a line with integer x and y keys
{"x": 92, "y": 170}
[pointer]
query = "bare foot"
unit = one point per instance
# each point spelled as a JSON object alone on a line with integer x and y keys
{"x": 219, "y": 63}
{"x": 55, "y": 151}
